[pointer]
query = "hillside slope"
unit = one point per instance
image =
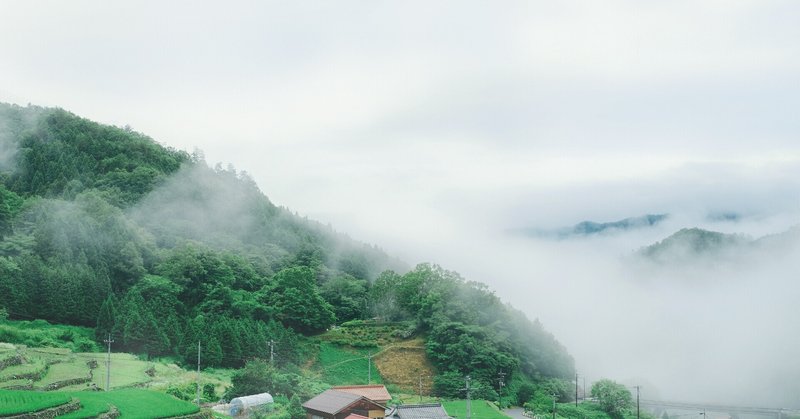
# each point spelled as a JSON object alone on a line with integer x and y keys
{"x": 103, "y": 227}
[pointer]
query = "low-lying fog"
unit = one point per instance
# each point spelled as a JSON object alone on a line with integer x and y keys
{"x": 718, "y": 327}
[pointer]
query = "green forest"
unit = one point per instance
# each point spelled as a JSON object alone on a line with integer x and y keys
{"x": 103, "y": 227}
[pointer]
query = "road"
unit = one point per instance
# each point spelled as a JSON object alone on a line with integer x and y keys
{"x": 515, "y": 413}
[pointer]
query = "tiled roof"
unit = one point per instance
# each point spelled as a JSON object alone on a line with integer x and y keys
{"x": 419, "y": 411}
{"x": 373, "y": 392}
{"x": 331, "y": 401}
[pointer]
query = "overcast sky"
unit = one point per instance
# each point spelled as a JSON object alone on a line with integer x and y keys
{"x": 430, "y": 128}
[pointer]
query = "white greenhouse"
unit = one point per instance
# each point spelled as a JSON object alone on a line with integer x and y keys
{"x": 245, "y": 404}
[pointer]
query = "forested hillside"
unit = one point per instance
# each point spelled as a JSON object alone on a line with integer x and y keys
{"x": 104, "y": 227}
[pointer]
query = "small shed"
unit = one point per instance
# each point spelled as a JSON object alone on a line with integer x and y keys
{"x": 246, "y": 404}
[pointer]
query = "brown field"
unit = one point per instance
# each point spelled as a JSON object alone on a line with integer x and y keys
{"x": 404, "y": 363}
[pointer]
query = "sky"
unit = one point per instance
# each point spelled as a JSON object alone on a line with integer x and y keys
{"x": 433, "y": 128}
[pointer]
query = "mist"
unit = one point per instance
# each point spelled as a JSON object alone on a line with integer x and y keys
{"x": 712, "y": 327}
{"x": 13, "y": 122}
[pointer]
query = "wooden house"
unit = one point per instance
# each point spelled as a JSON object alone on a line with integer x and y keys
{"x": 375, "y": 392}
{"x": 335, "y": 404}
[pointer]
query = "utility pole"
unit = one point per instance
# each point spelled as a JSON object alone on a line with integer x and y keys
{"x": 369, "y": 367}
{"x": 198, "y": 373}
{"x": 469, "y": 400}
{"x": 420, "y": 389}
{"x": 576, "y": 389}
{"x": 502, "y": 384}
{"x": 554, "y": 405}
{"x": 108, "y": 361}
{"x": 637, "y": 402}
{"x": 271, "y": 351}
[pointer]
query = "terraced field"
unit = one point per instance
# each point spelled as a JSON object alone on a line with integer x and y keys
{"x": 18, "y": 401}
{"x": 45, "y": 368}
{"x": 131, "y": 403}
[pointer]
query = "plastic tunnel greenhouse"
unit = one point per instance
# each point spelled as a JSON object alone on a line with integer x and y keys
{"x": 241, "y": 405}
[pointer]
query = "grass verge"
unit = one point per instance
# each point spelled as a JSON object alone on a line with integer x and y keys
{"x": 481, "y": 409}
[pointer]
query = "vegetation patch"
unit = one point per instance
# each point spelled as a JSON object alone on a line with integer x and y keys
{"x": 131, "y": 403}
{"x": 480, "y": 409}
{"x": 40, "y": 333}
{"x": 342, "y": 365}
{"x": 18, "y": 401}
{"x": 369, "y": 333}
{"x": 406, "y": 366}
{"x": 64, "y": 372}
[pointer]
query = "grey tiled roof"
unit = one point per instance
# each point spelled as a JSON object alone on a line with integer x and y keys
{"x": 419, "y": 411}
{"x": 331, "y": 401}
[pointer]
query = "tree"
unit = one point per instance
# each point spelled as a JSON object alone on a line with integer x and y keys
{"x": 107, "y": 319}
{"x": 347, "y": 296}
{"x": 525, "y": 393}
{"x": 383, "y": 298}
{"x": 259, "y": 376}
{"x": 296, "y": 301}
{"x": 295, "y": 409}
{"x": 614, "y": 398}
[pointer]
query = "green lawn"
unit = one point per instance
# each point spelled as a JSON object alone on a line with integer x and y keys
{"x": 342, "y": 365}
{"x": 16, "y": 401}
{"x": 481, "y": 409}
{"x": 131, "y": 403}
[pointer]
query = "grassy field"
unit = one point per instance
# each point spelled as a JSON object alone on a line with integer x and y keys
{"x": 14, "y": 402}
{"x": 341, "y": 365}
{"x": 131, "y": 403}
{"x": 481, "y": 409}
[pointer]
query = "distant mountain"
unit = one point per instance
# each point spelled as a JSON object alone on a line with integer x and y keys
{"x": 587, "y": 228}
{"x": 691, "y": 244}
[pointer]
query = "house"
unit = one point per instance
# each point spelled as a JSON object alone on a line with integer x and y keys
{"x": 335, "y": 404}
{"x": 418, "y": 411}
{"x": 375, "y": 392}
